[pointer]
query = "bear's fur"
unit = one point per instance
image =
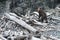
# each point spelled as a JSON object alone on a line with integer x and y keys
{"x": 42, "y": 15}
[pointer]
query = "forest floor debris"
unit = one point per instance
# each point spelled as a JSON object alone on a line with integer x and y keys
{"x": 16, "y": 28}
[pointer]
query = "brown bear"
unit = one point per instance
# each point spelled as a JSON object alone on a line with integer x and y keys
{"x": 42, "y": 15}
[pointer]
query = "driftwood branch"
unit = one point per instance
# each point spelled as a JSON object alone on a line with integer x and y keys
{"x": 21, "y": 22}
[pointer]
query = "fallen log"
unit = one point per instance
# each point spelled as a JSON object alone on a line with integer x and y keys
{"x": 39, "y": 23}
{"x": 21, "y": 22}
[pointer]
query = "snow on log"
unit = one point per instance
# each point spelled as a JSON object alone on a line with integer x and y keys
{"x": 48, "y": 14}
{"x": 56, "y": 18}
{"x": 2, "y": 38}
{"x": 39, "y": 23}
{"x": 34, "y": 38}
{"x": 21, "y": 22}
{"x": 36, "y": 13}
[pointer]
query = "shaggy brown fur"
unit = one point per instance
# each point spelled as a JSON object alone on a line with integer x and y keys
{"x": 42, "y": 14}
